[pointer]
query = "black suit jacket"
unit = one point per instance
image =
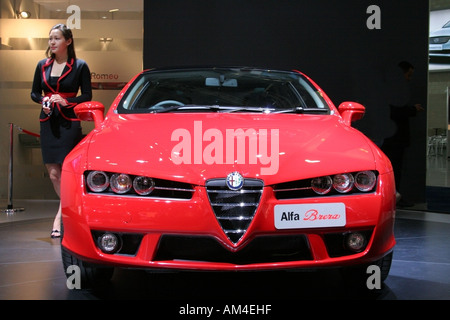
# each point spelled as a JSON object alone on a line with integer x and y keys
{"x": 75, "y": 76}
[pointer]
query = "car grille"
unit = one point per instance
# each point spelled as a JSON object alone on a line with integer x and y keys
{"x": 234, "y": 210}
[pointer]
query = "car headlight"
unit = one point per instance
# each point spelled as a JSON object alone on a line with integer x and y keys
{"x": 439, "y": 40}
{"x": 121, "y": 183}
{"x": 343, "y": 183}
{"x": 365, "y": 180}
{"x": 115, "y": 183}
{"x": 143, "y": 185}
{"x": 97, "y": 181}
{"x": 358, "y": 182}
{"x": 322, "y": 185}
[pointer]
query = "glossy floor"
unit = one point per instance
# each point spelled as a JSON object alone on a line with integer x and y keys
{"x": 31, "y": 268}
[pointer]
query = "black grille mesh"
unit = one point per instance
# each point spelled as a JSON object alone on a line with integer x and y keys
{"x": 234, "y": 209}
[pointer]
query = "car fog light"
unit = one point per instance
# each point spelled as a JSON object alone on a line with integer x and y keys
{"x": 355, "y": 241}
{"x": 365, "y": 181}
{"x": 143, "y": 185}
{"x": 97, "y": 181}
{"x": 321, "y": 185}
{"x": 343, "y": 182}
{"x": 120, "y": 183}
{"x": 109, "y": 243}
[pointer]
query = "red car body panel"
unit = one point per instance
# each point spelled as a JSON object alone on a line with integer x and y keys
{"x": 143, "y": 144}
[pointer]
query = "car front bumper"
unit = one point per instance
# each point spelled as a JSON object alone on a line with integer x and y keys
{"x": 185, "y": 234}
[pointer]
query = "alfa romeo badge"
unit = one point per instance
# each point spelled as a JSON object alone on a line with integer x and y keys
{"x": 235, "y": 181}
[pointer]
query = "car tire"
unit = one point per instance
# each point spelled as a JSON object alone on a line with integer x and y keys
{"x": 358, "y": 276}
{"x": 385, "y": 265}
{"x": 91, "y": 276}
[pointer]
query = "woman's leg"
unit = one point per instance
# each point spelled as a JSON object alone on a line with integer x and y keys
{"x": 54, "y": 171}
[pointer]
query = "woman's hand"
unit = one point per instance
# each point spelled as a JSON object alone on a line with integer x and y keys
{"x": 56, "y": 98}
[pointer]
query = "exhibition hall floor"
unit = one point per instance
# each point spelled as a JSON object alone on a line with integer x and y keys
{"x": 31, "y": 269}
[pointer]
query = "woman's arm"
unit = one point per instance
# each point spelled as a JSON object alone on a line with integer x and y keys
{"x": 36, "y": 90}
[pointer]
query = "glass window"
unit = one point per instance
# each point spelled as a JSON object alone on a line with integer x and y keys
{"x": 108, "y": 35}
{"x": 248, "y": 89}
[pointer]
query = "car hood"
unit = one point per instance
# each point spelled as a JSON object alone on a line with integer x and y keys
{"x": 200, "y": 146}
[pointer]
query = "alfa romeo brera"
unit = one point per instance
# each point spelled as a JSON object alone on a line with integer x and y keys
{"x": 225, "y": 169}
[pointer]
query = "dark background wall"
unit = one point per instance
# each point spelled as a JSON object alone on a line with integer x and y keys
{"x": 326, "y": 39}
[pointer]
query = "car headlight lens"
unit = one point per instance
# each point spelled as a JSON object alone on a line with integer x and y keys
{"x": 143, "y": 185}
{"x": 97, "y": 181}
{"x": 365, "y": 180}
{"x": 121, "y": 183}
{"x": 343, "y": 182}
{"x": 322, "y": 185}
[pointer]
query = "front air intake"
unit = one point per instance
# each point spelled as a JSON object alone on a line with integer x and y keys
{"x": 234, "y": 209}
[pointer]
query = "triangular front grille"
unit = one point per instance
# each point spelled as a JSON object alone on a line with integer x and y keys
{"x": 234, "y": 209}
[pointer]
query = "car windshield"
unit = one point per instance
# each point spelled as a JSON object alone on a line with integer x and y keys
{"x": 221, "y": 90}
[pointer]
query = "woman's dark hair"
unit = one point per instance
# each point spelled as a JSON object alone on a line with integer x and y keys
{"x": 67, "y": 34}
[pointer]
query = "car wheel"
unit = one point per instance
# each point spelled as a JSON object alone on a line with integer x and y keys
{"x": 91, "y": 276}
{"x": 385, "y": 265}
{"x": 359, "y": 275}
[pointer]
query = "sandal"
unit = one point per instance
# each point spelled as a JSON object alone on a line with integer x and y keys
{"x": 55, "y": 234}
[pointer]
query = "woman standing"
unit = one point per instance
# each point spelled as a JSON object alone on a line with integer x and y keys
{"x": 56, "y": 84}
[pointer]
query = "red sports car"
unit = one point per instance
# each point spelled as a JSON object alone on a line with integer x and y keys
{"x": 225, "y": 169}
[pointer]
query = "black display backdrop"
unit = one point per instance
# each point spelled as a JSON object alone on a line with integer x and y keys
{"x": 348, "y": 47}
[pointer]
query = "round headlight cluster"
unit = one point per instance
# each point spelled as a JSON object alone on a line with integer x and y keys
{"x": 120, "y": 183}
{"x": 322, "y": 185}
{"x": 363, "y": 181}
{"x": 98, "y": 181}
{"x": 143, "y": 185}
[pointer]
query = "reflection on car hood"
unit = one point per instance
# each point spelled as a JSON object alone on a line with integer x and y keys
{"x": 195, "y": 147}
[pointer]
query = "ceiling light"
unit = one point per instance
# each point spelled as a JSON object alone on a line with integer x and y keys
{"x": 24, "y": 14}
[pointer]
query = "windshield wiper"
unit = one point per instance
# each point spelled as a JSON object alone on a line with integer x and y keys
{"x": 214, "y": 108}
{"x": 302, "y": 110}
{"x": 227, "y": 109}
{"x": 186, "y": 107}
{"x": 251, "y": 109}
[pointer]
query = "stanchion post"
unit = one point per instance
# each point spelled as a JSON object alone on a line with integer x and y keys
{"x": 10, "y": 208}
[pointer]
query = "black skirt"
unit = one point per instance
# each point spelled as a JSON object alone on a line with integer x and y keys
{"x": 58, "y": 137}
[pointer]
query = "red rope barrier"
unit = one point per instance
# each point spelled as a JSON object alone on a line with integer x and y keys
{"x": 31, "y": 133}
{"x": 28, "y": 132}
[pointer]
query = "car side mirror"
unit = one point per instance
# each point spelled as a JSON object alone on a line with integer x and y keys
{"x": 90, "y": 111}
{"x": 351, "y": 111}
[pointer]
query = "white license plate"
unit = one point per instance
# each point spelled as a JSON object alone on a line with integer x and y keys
{"x": 316, "y": 215}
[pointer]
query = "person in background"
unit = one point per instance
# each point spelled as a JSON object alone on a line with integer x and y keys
{"x": 400, "y": 112}
{"x": 58, "y": 79}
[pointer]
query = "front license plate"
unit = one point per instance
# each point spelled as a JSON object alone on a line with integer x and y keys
{"x": 316, "y": 215}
